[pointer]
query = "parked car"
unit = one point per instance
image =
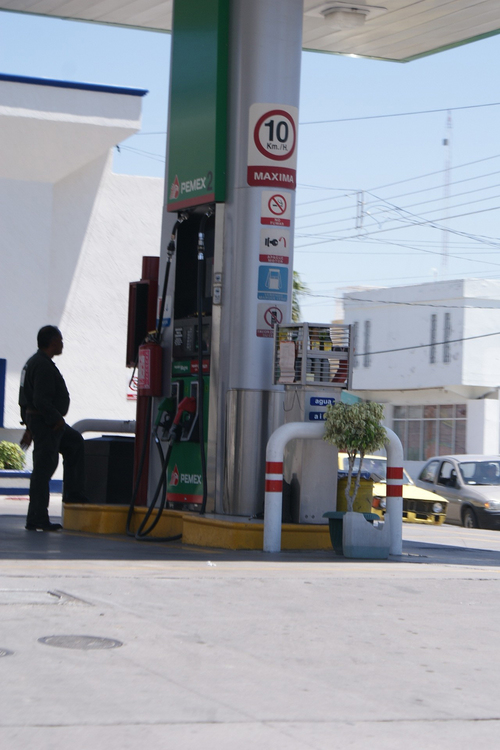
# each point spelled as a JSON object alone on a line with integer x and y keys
{"x": 419, "y": 505}
{"x": 470, "y": 483}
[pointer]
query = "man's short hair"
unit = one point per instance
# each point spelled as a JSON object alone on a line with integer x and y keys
{"x": 46, "y": 335}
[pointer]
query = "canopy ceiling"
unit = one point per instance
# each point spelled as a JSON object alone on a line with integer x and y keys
{"x": 397, "y": 30}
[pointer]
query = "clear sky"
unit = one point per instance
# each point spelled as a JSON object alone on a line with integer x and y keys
{"x": 375, "y": 204}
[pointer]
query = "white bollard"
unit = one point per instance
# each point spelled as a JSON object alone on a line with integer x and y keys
{"x": 274, "y": 476}
{"x": 394, "y": 513}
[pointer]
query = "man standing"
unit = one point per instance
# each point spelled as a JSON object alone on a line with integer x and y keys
{"x": 44, "y": 402}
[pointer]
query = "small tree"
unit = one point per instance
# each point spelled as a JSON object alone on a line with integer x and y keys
{"x": 355, "y": 428}
{"x": 11, "y": 456}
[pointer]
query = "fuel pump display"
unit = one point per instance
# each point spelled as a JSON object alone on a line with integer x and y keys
{"x": 192, "y": 301}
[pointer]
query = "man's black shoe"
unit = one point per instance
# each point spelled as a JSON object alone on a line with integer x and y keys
{"x": 43, "y": 526}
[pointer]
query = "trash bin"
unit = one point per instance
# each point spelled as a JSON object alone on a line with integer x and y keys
{"x": 109, "y": 468}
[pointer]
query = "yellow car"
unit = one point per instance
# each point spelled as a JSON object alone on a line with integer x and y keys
{"x": 419, "y": 505}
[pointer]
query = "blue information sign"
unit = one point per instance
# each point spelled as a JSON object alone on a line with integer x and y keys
{"x": 321, "y": 400}
{"x": 273, "y": 283}
{"x": 317, "y": 416}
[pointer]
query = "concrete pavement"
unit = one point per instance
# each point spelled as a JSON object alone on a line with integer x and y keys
{"x": 242, "y": 650}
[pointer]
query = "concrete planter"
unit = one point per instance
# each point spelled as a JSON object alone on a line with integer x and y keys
{"x": 361, "y": 539}
{"x": 336, "y": 526}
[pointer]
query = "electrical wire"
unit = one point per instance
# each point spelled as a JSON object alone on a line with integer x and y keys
{"x": 401, "y": 182}
{"x": 437, "y": 343}
{"x": 401, "y": 114}
{"x": 432, "y": 223}
{"x": 367, "y": 204}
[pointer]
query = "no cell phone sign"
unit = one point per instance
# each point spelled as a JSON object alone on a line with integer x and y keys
{"x": 272, "y": 145}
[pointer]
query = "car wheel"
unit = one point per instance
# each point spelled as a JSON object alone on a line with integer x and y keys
{"x": 469, "y": 519}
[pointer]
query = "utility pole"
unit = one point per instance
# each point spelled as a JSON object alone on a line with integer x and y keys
{"x": 446, "y": 195}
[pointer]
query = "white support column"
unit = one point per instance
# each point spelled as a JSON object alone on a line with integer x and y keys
{"x": 264, "y": 63}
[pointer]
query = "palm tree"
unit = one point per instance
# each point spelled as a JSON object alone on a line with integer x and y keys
{"x": 299, "y": 288}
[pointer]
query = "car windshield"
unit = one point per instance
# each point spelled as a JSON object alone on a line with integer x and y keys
{"x": 376, "y": 466}
{"x": 480, "y": 472}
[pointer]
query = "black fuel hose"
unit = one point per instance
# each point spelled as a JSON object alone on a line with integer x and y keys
{"x": 201, "y": 382}
{"x": 140, "y": 535}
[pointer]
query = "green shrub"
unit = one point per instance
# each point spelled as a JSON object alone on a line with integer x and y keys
{"x": 11, "y": 456}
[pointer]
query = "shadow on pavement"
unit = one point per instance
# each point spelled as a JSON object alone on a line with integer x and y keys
{"x": 18, "y": 544}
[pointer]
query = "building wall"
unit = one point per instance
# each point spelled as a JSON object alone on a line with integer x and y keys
{"x": 454, "y": 373}
{"x": 400, "y": 319}
{"x": 483, "y": 420}
{"x": 69, "y": 250}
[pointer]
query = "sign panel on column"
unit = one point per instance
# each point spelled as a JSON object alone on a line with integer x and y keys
{"x": 198, "y": 104}
{"x": 272, "y": 146}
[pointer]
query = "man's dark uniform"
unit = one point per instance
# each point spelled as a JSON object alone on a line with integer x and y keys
{"x": 44, "y": 402}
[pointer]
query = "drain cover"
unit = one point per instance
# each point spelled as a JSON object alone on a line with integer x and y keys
{"x": 4, "y": 652}
{"x": 82, "y": 642}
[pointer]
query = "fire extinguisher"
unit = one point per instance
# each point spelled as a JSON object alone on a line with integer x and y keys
{"x": 149, "y": 381}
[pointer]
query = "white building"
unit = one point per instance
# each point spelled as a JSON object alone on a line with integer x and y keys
{"x": 431, "y": 354}
{"x": 72, "y": 236}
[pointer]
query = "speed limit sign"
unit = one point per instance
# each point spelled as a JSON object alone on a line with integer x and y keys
{"x": 272, "y": 145}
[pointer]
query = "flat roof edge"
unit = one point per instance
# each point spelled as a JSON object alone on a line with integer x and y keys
{"x": 73, "y": 85}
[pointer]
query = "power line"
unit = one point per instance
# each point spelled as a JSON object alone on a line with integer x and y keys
{"x": 405, "y": 304}
{"x": 393, "y": 207}
{"x": 433, "y": 223}
{"x": 401, "y": 182}
{"x": 401, "y": 114}
{"x": 422, "y": 279}
{"x": 404, "y": 195}
{"x": 438, "y": 343}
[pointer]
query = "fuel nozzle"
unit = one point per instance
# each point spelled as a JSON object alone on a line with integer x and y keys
{"x": 183, "y": 420}
{"x": 165, "y": 417}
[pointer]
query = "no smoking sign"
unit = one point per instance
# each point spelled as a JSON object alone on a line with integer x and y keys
{"x": 275, "y": 208}
{"x": 272, "y": 145}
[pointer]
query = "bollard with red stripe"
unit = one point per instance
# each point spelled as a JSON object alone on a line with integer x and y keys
{"x": 394, "y": 514}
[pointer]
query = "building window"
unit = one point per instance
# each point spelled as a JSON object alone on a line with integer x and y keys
{"x": 367, "y": 360}
{"x": 355, "y": 339}
{"x": 427, "y": 431}
{"x": 447, "y": 337}
{"x": 432, "y": 352}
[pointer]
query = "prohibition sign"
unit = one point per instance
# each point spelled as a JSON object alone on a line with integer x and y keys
{"x": 277, "y": 204}
{"x": 281, "y": 135}
{"x": 273, "y": 316}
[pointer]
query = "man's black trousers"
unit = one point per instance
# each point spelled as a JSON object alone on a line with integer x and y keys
{"x": 47, "y": 444}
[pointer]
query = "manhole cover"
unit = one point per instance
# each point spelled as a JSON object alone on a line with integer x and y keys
{"x": 4, "y": 652}
{"x": 82, "y": 642}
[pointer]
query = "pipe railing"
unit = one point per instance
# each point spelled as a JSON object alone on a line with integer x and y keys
{"x": 274, "y": 482}
{"x": 104, "y": 425}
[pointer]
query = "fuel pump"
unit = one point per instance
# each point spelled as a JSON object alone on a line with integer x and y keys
{"x": 180, "y": 428}
{"x": 149, "y": 362}
{"x": 192, "y": 330}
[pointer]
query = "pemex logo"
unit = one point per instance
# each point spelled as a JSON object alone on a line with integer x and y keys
{"x": 175, "y": 189}
{"x": 174, "y": 476}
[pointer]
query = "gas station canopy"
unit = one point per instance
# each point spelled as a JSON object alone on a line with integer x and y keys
{"x": 398, "y": 30}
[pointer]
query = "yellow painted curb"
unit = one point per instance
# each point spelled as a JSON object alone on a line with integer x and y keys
{"x": 112, "y": 519}
{"x": 196, "y": 530}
